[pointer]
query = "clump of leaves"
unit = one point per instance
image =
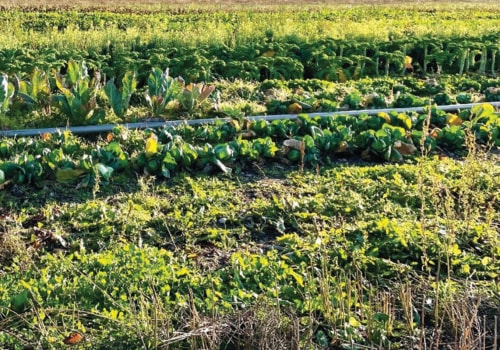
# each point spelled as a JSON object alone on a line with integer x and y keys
{"x": 35, "y": 92}
{"x": 119, "y": 98}
{"x": 77, "y": 99}
{"x": 162, "y": 89}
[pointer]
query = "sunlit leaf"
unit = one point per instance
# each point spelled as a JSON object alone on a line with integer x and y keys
{"x": 151, "y": 146}
{"x": 354, "y": 322}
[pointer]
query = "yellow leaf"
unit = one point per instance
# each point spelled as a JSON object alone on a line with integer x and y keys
{"x": 384, "y": 116}
{"x": 105, "y": 260}
{"x": 151, "y": 146}
{"x": 294, "y": 108}
{"x": 354, "y": 322}
{"x": 408, "y": 60}
{"x": 51, "y": 339}
{"x": 453, "y": 119}
{"x": 298, "y": 278}
{"x": 182, "y": 272}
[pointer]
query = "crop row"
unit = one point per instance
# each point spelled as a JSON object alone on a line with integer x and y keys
{"x": 45, "y": 19}
{"x": 287, "y": 58}
{"x": 225, "y": 146}
{"x": 82, "y": 96}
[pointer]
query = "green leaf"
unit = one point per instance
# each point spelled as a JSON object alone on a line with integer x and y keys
{"x": 19, "y": 303}
{"x": 189, "y": 154}
{"x": 379, "y": 145}
{"x": 2, "y": 177}
{"x": 169, "y": 162}
{"x": 221, "y": 166}
{"x": 395, "y": 155}
{"x": 153, "y": 166}
{"x": 105, "y": 171}
{"x": 6, "y": 92}
{"x": 68, "y": 175}
{"x": 223, "y": 152}
{"x": 322, "y": 339}
{"x": 129, "y": 85}
{"x": 76, "y": 72}
{"x": 165, "y": 171}
{"x": 381, "y": 317}
{"x": 115, "y": 98}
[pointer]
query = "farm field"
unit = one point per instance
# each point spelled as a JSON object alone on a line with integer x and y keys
{"x": 346, "y": 226}
{"x": 111, "y": 4}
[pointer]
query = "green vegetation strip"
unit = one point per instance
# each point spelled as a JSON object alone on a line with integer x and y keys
{"x": 352, "y": 255}
{"x": 233, "y": 145}
{"x": 80, "y": 97}
{"x": 94, "y": 129}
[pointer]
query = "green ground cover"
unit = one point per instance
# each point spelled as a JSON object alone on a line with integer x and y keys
{"x": 351, "y": 232}
{"x": 133, "y": 240}
{"x": 348, "y": 254}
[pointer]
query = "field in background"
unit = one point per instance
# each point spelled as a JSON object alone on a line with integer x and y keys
{"x": 159, "y": 4}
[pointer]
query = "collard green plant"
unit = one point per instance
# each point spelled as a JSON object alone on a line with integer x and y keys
{"x": 119, "y": 98}
{"x": 194, "y": 94}
{"x": 35, "y": 92}
{"x": 78, "y": 91}
{"x": 162, "y": 89}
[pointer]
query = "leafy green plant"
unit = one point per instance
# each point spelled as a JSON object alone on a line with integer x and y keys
{"x": 78, "y": 91}
{"x": 194, "y": 94}
{"x": 120, "y": 98}
{"x": 35, "y": 92}
{"x": 162, "y": 89}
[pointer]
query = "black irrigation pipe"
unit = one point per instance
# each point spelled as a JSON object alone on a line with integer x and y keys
{"x": 94, "y": 129}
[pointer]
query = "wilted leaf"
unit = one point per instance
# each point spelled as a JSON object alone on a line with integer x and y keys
{"x": 294, "y": 108}
{"x": 453, "y": 119}
{"x": 404, "y": 148}
{"x": 68, "y": 175}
